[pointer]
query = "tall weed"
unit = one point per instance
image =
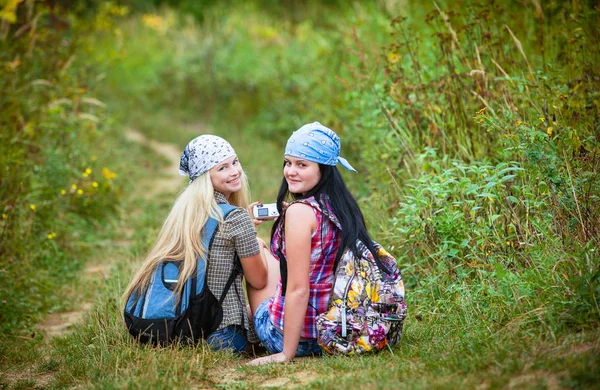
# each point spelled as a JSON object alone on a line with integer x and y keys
{"x": 489, "y": 142}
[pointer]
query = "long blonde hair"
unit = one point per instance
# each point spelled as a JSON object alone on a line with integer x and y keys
{"x": 180, "y": 238}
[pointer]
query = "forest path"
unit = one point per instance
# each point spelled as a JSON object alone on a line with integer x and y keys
{"x": 169, "y": 178}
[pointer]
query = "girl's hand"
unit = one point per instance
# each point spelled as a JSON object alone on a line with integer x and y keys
{"x": 277, "y": 358}
{"x": 255, "y": 221}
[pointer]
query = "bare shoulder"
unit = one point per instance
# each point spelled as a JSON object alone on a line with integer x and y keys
{"x": 300, "y": 217}
{"x": 299, "y": 211}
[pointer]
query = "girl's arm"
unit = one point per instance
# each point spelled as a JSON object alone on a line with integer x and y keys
{"x": 300, "y": 224}
{"x": 255, "y": 269}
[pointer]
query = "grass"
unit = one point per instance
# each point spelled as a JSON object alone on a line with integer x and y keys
{"x": 489, "y": 213}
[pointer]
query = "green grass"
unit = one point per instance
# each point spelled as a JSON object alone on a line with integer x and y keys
{"x": 491, "y": 214}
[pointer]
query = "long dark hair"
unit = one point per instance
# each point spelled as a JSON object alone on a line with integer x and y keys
{"x": 344, "y": 206}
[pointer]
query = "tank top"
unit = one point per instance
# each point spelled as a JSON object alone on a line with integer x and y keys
{"x": 325, "y": 242}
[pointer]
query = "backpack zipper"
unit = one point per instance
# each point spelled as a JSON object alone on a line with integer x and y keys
{"x": 344, "y": 330}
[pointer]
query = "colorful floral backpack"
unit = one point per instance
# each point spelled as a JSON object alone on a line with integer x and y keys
{"x": 367, "y": 309}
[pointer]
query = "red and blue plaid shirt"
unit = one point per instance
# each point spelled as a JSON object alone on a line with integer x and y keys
{"x": 324, "y": 246}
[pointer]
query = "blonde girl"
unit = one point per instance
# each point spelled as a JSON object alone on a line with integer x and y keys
{"x": 216, "y": 176}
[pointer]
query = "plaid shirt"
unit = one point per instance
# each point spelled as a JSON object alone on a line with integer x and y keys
{"x": 235, "y": 234}
{"x": 325, "y": 243}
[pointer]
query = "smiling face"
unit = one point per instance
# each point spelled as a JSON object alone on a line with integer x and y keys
{"x": 226, "y": 176}
{"x": 301, "y": 175}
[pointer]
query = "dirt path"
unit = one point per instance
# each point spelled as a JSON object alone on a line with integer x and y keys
{"x": 170, "y": 178}
{"x": 60, "y": 323}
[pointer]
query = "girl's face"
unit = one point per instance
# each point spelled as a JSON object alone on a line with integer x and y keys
{"x": 226, "y": 177}
{"x": 301, "y": 175}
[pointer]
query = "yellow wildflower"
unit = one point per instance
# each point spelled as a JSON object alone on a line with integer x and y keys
{"x": 4, "y": 216}
{"x": 393, "y": 58}
{"x": 79, "y": 192}
{"x": 32, "y": 207}
{"x": 542, "y": 119}
{"x": 519, "y": 123}
{"x": 74, "y": 186}
{"x": 507, "y": 243}
{"x": 155, "y": 22}
{"x": 108, "y": 174}
{"x": 481, "y": 111}
{"x": 49, "y": 236}
{"x": 95, "y": 185}
{"x": 549, "y": 131}
{"x": 62, "y": 192}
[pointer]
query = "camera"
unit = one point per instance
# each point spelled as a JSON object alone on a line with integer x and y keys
{"x": 266, "y": 211}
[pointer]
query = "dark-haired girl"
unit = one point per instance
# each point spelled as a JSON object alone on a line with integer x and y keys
{"x": 307, "y": 240}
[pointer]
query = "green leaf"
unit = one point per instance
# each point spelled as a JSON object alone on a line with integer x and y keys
{"x": 9, "y": 11}
{"x": 500, "y": 271}
{"x": 512, "y": 199}
{"x": 507, "y": 177}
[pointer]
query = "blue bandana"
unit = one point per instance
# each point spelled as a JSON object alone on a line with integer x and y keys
{"x": 315, "y": 142}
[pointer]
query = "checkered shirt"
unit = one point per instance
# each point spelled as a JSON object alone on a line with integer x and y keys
{"x": 325, "y": 243}
{"x": 235, "y": 234}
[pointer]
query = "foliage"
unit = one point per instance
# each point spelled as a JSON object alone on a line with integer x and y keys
{"x": 486, "y": 99}
{"x": 56, "y": 180}
{"x": 482, "y": 228}
{"x": 492, "y": 146}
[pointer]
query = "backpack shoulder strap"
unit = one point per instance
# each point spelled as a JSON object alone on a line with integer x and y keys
{"x": 237, "y": 265}
{"x": 211, "y": 225}
{"x": 208, "y": 235}
{"x": 226, "y": 208}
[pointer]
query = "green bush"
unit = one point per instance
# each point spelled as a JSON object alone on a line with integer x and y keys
{"x": 56, "y": 183}
{"x": 466, "y": 86}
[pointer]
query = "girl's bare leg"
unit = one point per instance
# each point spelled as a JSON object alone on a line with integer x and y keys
{"x": 255, "y": 296}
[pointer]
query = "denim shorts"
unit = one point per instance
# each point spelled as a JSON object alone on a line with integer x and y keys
{"x": 232, "y": 337}
{"x": 272, "y": 338}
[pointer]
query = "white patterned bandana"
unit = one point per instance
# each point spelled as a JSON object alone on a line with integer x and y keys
{"x": 202, "y": 154}
{"x": 317, "y": 143}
